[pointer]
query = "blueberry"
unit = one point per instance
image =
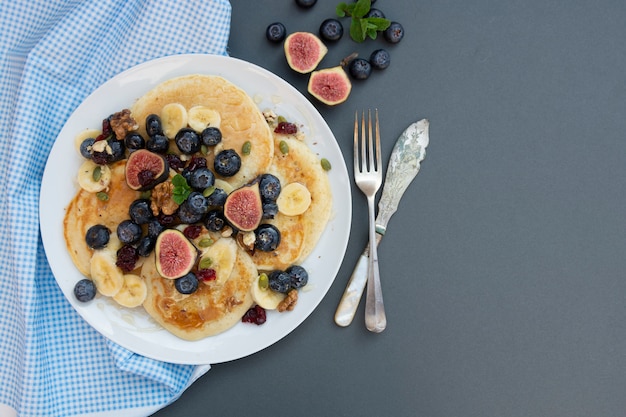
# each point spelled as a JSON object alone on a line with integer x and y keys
{"x": 197, "y": 203}
{"x": 187, "y": 140}
{"x": 211, "y": 136}
{"x": 97, "y": 236}
{"x": 276, "y": 32}
{"x": 298, "y": 276}
{"x": 85, "y": 290}
{"x": 129, "y": 232}
{"x": 214, "y": 220}
{"x": 306, "y": 3}
{"x": 375, "y": 13}
{"x": 187, "y": 284}
{"x": 134, "y": 141}
{"x": 267, "y": 238}
{"x": 146, "y": 245}
{"x": 380, "y": 59}
{"x": 331, "y": 30}
{"x": 227, "y": 163}
{"x": 118, "y": 150}
{"x": 360, "y": 69}
{"x": 394, "y": 33}
{"x": 279, "y": 281}
{"x": 85, "y": 147}
{"x": 201, "y": 179}
{"x": 140, "y": 211}
{"x": 158, "y": 143}
{"x": 153, "y": 125}
{"x": 217, "y": 197}
{"x": 270, "y": 210}
{"x": 269, "y": 187}
{"x": 155, "y": 228}
{"x": 188, "y": 215}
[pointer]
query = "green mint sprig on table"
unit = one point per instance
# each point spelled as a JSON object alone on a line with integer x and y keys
{"x": 362, "y": 27}
{"x": 181, "y": 189}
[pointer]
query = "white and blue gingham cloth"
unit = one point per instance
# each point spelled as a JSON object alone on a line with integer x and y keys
{"x": 53, "y": 53}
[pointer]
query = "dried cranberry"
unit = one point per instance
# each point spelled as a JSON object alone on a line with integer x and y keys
{"x": 145, "y": 177}
{"x": 286, "y": 128}
{"x": 127, "y": 258}
{"x": 206, "y": 274}
{"x": 174, "y": 161}
{"x": 100, "y": 158}
{"x": 255, "y": 315}
{"x": 166, "y": 219}
{"x": 196, "y": 162}
{"x": 106, "y": 127}
{"x": 192, "y": 231}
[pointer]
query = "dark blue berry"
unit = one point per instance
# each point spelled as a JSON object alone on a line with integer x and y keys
{"x": 134, "y": 141}
{"x": 214, "y": 220}
{"x": 279, "y": 281}
{"x": 201, "y": 179}
{"x": 298, "y": 275}
{"x": 85, "y": 147}
{"x": 129, "y": 232}
{"x": 269, "y": 187}
{"x": 187, "y": 141}
{"x": 270, "y": 210}
{"x": 146, "y": 245}
{"x": 188, "y": 215}
{"x": 140, "y": 211}
{"x": 158, "y": 143}
{"x": 155, "y": 228}
{"x": 306, "y": 3}
{"x": 394, "y": 33}
{"x": 276, "y": 32}
{"x": 85, "y": 290}
{"x": 97, "y": 236}
{"x": 380, "y": 59}
{"x": 211, "y": 136}
{"x": 187, "y": 284}
{"x": 197, "y": 203}
{"x": 118, "y": 149}
{"x": 331, "y": 30}
{"x": 227, "y": 163}
{"x": 267, "y": 238}
{"x": 153, "y": 125}
{"x": 375, "y": 13}
{"x": 360, "y": 69}
{"x": 217, "y": 197}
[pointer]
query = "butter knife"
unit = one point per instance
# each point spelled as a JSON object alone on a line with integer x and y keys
{"x": 404, "y": 164}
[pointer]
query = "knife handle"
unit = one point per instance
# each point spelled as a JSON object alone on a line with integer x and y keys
{"x": 352, "y": 294}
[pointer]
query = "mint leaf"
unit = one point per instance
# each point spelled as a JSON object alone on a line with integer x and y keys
{"x": 361, "y": 8}
{"x": 181, "y": 189}
{"x": 379, "y": 22}
{"x": 362, "y": 27}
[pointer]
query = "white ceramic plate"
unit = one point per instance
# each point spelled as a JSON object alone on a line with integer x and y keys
{"x": 133, "y": 328}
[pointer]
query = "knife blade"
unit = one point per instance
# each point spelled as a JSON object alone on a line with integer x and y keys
{"x": 404, "y": 164}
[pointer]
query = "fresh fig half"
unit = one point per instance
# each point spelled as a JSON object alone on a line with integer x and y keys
{"x": 145, "y": 169}
{"x": 331, "y": 86}
{"x": 175, "y": 254}
{"x": 304, "y": 51}
{"x": 243, "y": 208}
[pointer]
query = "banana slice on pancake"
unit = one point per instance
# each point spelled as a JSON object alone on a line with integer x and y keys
{"x": 133, "y": 291}
{"x": 201, "y": 117}
{"x": 221, "y": 256}
{"x": 109, "y": 279}
{"x": 173, "y": 118}
{"x": 92, "y": 177}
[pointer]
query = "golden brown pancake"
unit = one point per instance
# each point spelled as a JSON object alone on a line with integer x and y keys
{"x": 212, "y": 309}
{"x": 87, "y": 210}
{"x": 241, "y": 120}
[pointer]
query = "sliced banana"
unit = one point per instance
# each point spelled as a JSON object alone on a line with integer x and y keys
{"x": 265, "y": 297}
{"x": 109, "y": 279}
{"x": 220, "y": 183}
{"x": 133, "y": 292}
{"x": 294, "y": 199}
{"x": 222, "y": 255}
{"x": 173, "y": 118}
{"x": 93, "y": 177}
{"x": 84, "y": 134}
{"x": 201, "y": 117}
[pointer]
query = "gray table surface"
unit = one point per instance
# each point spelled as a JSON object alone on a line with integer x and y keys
{"x": 504, "y": 268}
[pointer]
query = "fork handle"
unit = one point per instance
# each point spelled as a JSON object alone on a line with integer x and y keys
{"x": 375, "y": 318}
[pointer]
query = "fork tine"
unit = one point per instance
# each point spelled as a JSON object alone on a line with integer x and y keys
{"x": 356, "y": 142}
{"x": 370, "y": 143}
{"x": 378, "y": 154}
{"x": 364, "y": 167}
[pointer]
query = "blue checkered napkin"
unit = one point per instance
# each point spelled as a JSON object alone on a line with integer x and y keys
{"x": 53, "y": 54}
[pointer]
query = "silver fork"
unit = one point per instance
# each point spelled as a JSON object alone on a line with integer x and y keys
{"x": 368, "y": 175}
